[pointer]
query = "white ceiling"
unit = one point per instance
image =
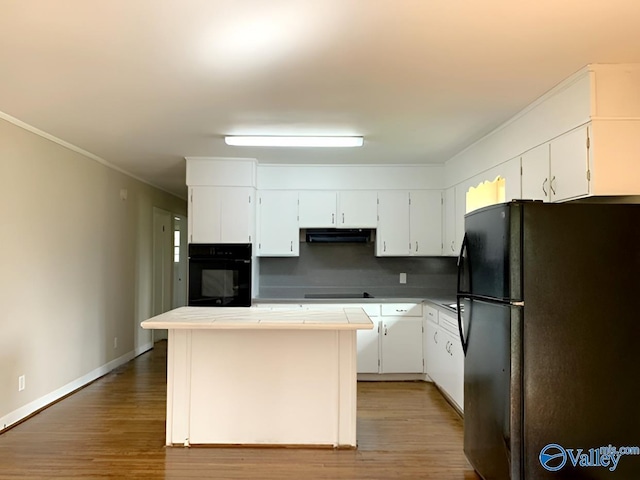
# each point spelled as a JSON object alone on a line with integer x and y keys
{"x": 144, "y": 83}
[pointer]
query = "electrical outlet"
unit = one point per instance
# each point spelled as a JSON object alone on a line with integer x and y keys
{"x": 21, "y": 383}
{"x": 403, "y": 278}
{"x": 115, "y": 342}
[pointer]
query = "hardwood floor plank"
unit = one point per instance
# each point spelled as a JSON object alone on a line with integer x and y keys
{"x": 115, "y": 428}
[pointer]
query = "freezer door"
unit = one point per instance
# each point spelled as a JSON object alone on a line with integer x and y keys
{"x": 492, "y": 392}
{"x": 489, "y": 262}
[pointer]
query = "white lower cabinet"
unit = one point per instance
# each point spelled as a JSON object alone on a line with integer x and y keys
{"x": 453, "y": 374}
{"x": 401, "y": 338}
{"x": 401, "y": 350}
{"x": 444, "y": 356}
{"x": 434, "y": 364}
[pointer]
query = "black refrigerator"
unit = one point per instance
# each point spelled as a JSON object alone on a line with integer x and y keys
{"x": 551, "y": 334}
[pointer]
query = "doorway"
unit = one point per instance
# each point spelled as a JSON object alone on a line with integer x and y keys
{"x": 179, "y": 261}
{"x": 162, "y": 267}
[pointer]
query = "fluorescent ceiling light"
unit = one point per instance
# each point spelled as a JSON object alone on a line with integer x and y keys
{"x": 278, "y": 141}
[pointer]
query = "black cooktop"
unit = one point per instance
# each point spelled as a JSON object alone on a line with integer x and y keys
{"x": 338, "y": 295}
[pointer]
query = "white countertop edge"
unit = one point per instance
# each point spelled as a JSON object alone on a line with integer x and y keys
{"x": 234, "y": 318}
{"x": 256, "y": 326}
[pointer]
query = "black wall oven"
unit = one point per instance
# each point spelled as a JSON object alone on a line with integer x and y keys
{"x": 220, "y": 274}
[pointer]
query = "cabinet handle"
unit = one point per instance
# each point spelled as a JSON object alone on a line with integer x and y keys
{"x": 453, "y": 246}
{"x": 543, "y": 184}
{"x": 435, "y": 336}
{"x": 343, "y": 217}
{"x": 384, "y": 246}
{"x": 416, "y": 246}
{"x": 292, "y": 245}
{"x": 385, "y": 329}
{"x": 333, "y": 216}
{"x": 553, "y": 190}
{"x": 400, "y": 310}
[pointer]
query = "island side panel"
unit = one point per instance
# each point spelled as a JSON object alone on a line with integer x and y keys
{"x": 265, "y": 387}
{"x": 178, "y": 386}
{"x": 348, "y": 377}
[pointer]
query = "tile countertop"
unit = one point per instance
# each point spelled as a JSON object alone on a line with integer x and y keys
{"x": 256, "y": 318}
{"x": 325, "y": 301}
{"x": 440, "y": 302}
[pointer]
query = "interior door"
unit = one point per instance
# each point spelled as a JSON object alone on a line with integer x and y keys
{"x": 162, "y": 266}
{"x": 179, "y": 261}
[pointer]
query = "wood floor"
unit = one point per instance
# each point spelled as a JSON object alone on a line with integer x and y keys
{"x": 114, "y": 428}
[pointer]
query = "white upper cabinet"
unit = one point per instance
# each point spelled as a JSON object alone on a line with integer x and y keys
{"x": 449, "y": 240}
{"x": 317, "y": 209}
{"x": 535, "y": 173}
{"x": 221, "y": 214}
{"x": 278, "y": 231}
{"x": 344, "y": 209}
{"x": 392, "y": 237}
{"x": 569, "y": 165}
{"x": 409, "y": 223}
{"x": 558, "y": 170}
{"x": 425, "y": 222}
{"x": 357, "y": 209}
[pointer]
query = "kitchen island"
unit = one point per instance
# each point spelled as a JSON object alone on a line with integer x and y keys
{"x": 257, "y": 376}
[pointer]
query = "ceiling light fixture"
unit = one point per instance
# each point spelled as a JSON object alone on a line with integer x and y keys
{"x": 292, "y": 141}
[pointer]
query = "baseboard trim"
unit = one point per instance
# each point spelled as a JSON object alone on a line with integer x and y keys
{"x": 43, "y": 402}
{"x": 142, "y": 349}
{"x": 393, "y": 377}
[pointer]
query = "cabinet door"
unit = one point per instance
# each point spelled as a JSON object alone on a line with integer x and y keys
{"x": 392, "y": 238}
{"x": 535, "y": 173}
{"x": 278, "y": 224}
{"x": 425, "y": 222}
{"x": 401, "y": 345}
{"x": 569, "y": 159}
{"x": 461, "y": 210}
{"x": 368, "y": 349}
{"x": 433, "y": 354}
{"x": 453, "y": 374}
{"x": 317, "y": 209}
{"x": 237, "y": 214}
{"x": 358, "y": 209}
{"x": 449, "y": 242}
{"x": 204, "y": 215}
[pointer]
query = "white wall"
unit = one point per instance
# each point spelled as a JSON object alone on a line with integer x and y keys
{"x": 76, "y": 268}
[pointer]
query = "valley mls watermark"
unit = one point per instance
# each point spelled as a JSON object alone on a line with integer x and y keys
{"x": 553, "y": 456}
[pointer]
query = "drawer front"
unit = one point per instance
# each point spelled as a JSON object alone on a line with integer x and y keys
{"x": 401, "y": 309}
{"x": 449, "y": 322}
{"x": 431, "y": 313}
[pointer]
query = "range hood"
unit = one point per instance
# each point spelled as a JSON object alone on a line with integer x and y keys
{"x": 338, "y": 235}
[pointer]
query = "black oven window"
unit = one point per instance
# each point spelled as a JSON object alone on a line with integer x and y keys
{"x": 219, "y": 283}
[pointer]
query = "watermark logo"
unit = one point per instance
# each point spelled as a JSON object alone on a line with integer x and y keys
{"x": 554, "y": 457}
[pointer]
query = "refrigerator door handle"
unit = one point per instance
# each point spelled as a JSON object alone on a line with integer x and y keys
{"x": 463, "y": 340}
{"x": 463, "y": 247}
{"x": 461, "y": 294}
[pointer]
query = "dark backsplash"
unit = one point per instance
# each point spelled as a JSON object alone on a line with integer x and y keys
{"x": 354, "y": 268}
